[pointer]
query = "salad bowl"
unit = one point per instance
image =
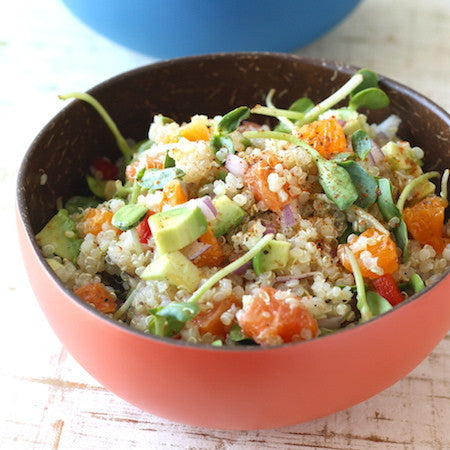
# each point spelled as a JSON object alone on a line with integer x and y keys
{"x": 244, "y": 387}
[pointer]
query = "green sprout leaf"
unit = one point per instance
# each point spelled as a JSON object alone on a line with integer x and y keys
{"x": 96, "y": 186}
{"x": 361, "y": 298}
{"x": 416, "y": 283}
{"x": 334, "y": 179}
{"x": 370, "y": 81}
{"x": 168, "y": 161}
{"x": 156, "y": 179}
{"x": 389, "y": 210}
{"x": 127, "y": 152}
{"x": 301, "y": 105}
{"x": 221, "y": 145}
{"x": 411, "y": 186}
{"x": 361, "y": 144}
{"x": 142, "y": 146}
{"x": 170, "y": 319}
{"x": 377, "y": 304}
{"x": 164, "y": 119}
{"x": 129, "y": 216}
{"x": 232, "y": 120}
{"x": 364, "y": 183}
{"x": 79, "y": 203}
{"x": 371, "y": 98}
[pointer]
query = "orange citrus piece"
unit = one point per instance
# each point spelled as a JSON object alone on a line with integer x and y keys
{"x": 269, "y": 320}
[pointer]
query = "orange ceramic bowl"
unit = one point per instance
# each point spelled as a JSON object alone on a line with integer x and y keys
{"x": 230, "y": 388}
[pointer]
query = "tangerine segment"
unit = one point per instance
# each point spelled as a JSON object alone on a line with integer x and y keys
{"x": 150, "y": 163}
{"x": 96, "y": 220}
{"x": 425, "y": 221}
{"x": 256, "y": 179}
{"x": 196, "y": 130}
{"x": 214, "y": 255}
{"x": 208, "y": 321}
{"x": 173, "y": 194}
{"x": 326, "y": 136}
{"x": 97, "y": 295}
{"x": 375, "y": 252}
{"x": 272, "y": 318}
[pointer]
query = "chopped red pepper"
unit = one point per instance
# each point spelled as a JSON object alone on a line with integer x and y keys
{"x": 108, "y": 169}
{"x": 386, "y": 287}
{"x": 143, "y": 229}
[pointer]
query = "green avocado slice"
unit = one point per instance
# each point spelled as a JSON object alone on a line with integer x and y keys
{"x": 176, "y": 228}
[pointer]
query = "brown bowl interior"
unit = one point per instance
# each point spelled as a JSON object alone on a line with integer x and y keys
{"x": 211, "y": 84}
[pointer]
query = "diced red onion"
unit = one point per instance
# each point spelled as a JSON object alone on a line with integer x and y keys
{"x": 349, "y": 145}
{"x": 241, "y": 270}
{"x": 206, "y": 205}
{"x": 270, "y": 229}
{"x": 301, "y": 276}
{"x": 381, "y": 137}
{"x": 375, "y": 153}
{"x": 236, "y": 165}
{"x": 195, "y": 249}
{"x": 332, "y": 323}
{"x": 287, "y": 216}
{"x": 371, "y": 159}
{"x": 341, "y": 122}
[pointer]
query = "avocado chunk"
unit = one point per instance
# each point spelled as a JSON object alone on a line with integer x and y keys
{"x": 174, "y": 268}
{"x": 274, "y": 255}
{"x": 355, "y": 124}
{"x": 61, "y": 233}
{"x": 229, "y": 215}
{"x": 399, "y": 157}
{"x": 175, "y": 228}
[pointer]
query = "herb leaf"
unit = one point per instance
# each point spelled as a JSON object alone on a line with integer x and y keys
{"x": 335, "y": 180}
{"x": 301, "y": 105}
{"x": 129, "y": 216}
{"x": 364, "y": 183}
{"x": 361, "y": 143}
{"x": 232, "y": 120}
{"x": 142, "y": 146}
{"x": 389, "y": 210}
{"x": 416, "y": 283}
{"x": 361, "y": 298}
{"x": 336, "y": 183}
{"x": 96, "y": 186}
{"x": 156, "y": 179}
{"x": 170, "y": 319}
{"x": 371, "y": 98}
{"x": 370, "y": 80}
{"x": 74, "y": 204}
{"x": 377, "y": 303}
{"x": 219, "y": 142}
{"x": 168, "y": 161}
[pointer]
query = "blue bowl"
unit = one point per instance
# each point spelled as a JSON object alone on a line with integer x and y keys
{"x": 171, "y": 28}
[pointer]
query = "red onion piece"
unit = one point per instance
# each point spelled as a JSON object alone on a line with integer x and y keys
{"x": 341, "y": 122}
{"x": 287, "y": 216}
{"x": 375, "y": 153}
{"x": 270, "y": 229}
{"x": 206, "y": 205}
{"x": 332, "y": 323}
{"x": 194, "y": 250}
{"x": 236, "y": 165}
{"x": 301, "y": 276}
{"x": 241, "y": 270}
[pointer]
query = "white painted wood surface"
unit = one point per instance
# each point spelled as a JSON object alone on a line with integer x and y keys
{"x": 46, "y": 399}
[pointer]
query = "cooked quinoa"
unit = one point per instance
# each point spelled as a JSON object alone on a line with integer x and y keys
{"x": 278, "y": 188}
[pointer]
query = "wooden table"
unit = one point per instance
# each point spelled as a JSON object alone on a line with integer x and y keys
{"x": 46, "y": 399}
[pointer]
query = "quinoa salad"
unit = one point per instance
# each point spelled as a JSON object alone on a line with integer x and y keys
{"x": 228, "y": 231}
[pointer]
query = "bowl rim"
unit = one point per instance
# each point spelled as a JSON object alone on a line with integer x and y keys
{"x": 347, "y": 69}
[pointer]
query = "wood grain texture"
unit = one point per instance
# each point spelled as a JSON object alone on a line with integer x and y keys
{"x": 47, "y": 401}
